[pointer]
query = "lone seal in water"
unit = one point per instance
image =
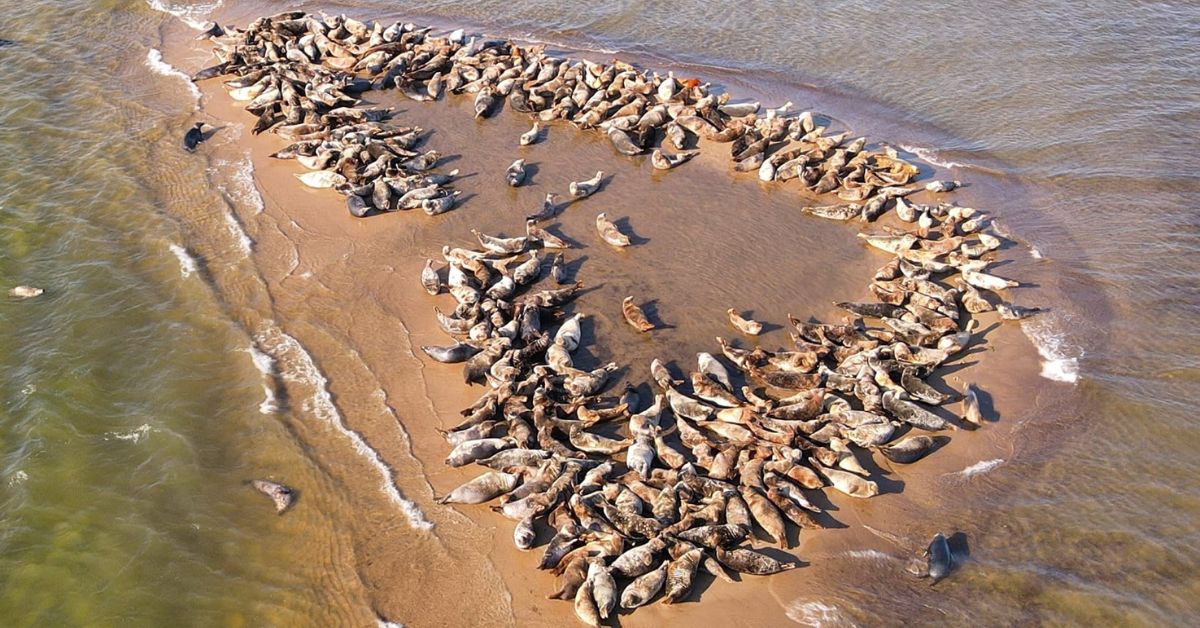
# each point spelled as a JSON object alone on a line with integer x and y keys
{"x": 283, "y": 496}
{"x": 25, "y": 292}
{"x": 194, "y": 136}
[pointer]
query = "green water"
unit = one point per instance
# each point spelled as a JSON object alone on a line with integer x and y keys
{"x": 130, "y": 406}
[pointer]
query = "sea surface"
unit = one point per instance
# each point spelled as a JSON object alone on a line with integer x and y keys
{"x": 165, "y": 364}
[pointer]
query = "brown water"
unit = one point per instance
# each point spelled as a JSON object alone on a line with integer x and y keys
{"x": 1066, "y": 522}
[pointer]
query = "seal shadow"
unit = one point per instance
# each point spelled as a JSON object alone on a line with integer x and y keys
{"x": 645, "y": 394}
{"x": 880, "y": 477}
{"x": 572, "y": 267}
{"x": 462, "y": 200}
{"x": 960, "y": 549}
{"x": 573, "y": 243}
{"x": 650, "y": 309}
{"x": 700, "y": 584}
{"x": 987, "y": 405}
{"x": 531, "y": 171}
{"x": 207, "y": 135}
{"x": 604, "y": 184}
{"x": 819, "y": 499}
{"x": 627, "y": 229}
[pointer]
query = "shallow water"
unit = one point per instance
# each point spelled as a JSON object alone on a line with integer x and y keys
{"x": 195, "y": 330}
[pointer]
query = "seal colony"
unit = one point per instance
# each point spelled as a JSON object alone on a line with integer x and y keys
{"x": 641, "y": 494}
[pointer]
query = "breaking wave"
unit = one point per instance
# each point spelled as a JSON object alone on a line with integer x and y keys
{"x": 187, "y": 263}
{"x": 17, "y": 478}
{"x": 875, "y": 555}
{"x": 155, "y": 61}
{"x": 297, "y": 366}
{"x": 1060, "y": 359}
{"x": 193, "y": 15}
{"x": 235, "y": 229}
{"x": 135, "y": 435}
{"x": 930, "y": 155}
{"x": 980, "y": 467}
{"x": 814, "y": 613}
{"x": 266, "y": 366}
{"x": 242, "y": 188}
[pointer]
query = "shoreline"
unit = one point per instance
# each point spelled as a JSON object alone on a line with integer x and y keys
{"x": 319, "y": 229}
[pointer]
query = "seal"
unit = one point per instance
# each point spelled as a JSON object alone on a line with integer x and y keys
{"x": 557, "y": 271}
{"x": 193, "y": 137}
{"x": 938, "y": 187}
{"x": 548, "y": 210}
{"x": 940, "y": 558}
{"x": 584, "y": 189}
{"x": 25, "y": 292}
{"x": 530, "y": 136}
{"x": 971, "y": 412}
{"x": 604, "y": 587}
{"x": 430, "y": 280}
{"x": 681, "y": 572}
{"x": 457, "y": 352}
{"x": 634, "y": 316}
{"x": 484, "y": 101}
{"x": 547, "y": 239}
{"x": 748, "y": 561}
{"x": 745, "y": 325}
{"x": 482, "y": 489}
{"x": 644, "y": 587}
{"x": 585, "y": 604}
{"x": 281, "y": 495}
{"x": 909, "y": 449}
{"x": 609, "y": 231}
{"x": 666, "y": 161}
{"x": 515, "y": 175}
{"x": 1014, "y": 312}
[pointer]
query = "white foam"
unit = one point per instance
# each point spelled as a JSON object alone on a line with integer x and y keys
{"x": 814, "y": 613}
{"x": 1034, "y": 253}
{"x": 235, "y": 179}
{"x": 154, "y": 59}
{"x": 187, "y": 263}
{"x": 17, "y": 478}
{"x": 265, "y": 365}
{"x": 241, "y": 177}
{"x": 383, "y": 623}
{"x": 135, "y": 435}
{"x": 579, "y": 47}
{"x": 979, "y": 468}
{"x": 930, "y": 155}
{"x": 192, "y": 15}
{"x": 875, "y": 555}
{"x": 29, "y": 389}
{"x": 1060, "y": 359}
{"x": 235, "y": 229}
{"x": 297, "y": 366}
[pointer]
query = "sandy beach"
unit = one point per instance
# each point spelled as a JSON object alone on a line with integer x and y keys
{"x": 706, "y": 238}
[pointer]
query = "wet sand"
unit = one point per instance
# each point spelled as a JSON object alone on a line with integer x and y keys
{"x": 705, "y": 239}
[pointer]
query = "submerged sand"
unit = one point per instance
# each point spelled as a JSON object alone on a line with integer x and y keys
{"x": 706, "y": 239}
